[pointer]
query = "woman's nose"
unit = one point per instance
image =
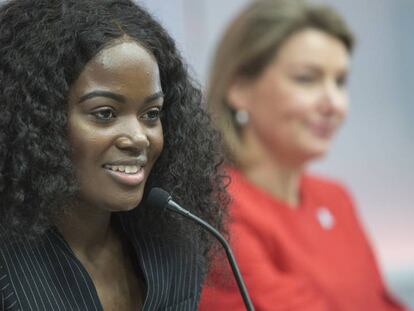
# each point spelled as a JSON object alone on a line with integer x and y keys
{"x": 132, "y": 136}
{"x": 334, "y": 98}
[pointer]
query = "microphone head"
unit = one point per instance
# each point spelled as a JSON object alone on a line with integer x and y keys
{"x": 157, "y": 198}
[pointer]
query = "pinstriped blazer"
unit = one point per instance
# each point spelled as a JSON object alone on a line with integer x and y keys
{"x": 44, "y": 274}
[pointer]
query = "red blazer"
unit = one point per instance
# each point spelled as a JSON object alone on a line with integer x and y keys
{"x": 312, "y": 257}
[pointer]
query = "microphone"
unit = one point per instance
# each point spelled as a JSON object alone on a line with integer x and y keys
{"x": 158, "y": 197}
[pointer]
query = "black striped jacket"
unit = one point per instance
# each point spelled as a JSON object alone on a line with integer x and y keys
{"x": 45, "y": 275}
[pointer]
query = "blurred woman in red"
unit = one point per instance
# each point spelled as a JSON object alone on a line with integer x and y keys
{"x": 278, "y": 94}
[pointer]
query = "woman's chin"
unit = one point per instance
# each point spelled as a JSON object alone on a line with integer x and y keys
{"x": 314, "y": 151}
{"x": 126, "y": 201}
{"x": 125, "y": 205}
{"x": 317, "y": 153}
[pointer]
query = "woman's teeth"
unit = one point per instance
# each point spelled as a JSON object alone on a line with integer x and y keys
{"x": 128, "y": 169}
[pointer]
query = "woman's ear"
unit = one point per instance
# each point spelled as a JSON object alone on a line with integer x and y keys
{"x": 238, "y": 94}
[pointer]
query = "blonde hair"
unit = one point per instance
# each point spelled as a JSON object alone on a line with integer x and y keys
{"x": 251, "y": 42}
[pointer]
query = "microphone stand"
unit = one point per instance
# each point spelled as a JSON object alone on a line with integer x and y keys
{"x": 172, "y": 206}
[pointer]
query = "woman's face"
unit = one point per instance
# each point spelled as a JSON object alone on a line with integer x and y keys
{"x": 299, "y": 101}
{"x": 114, "y": 125}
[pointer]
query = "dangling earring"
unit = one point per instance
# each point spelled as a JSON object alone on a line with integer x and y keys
{"x": 242, "y": 117}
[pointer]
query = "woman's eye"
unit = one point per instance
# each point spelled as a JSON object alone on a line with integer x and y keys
{"x": 305, "y": 79}
{"x": 342, "y": 81}
{"x": 152, "y": 115}
{"x": 106, "y": 114}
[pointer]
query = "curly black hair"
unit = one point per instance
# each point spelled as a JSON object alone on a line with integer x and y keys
{"x": 44, "y": 45}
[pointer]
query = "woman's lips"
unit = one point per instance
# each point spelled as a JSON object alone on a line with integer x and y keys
{"x": 324, "y": 131}
{"x": 129, "y": 179}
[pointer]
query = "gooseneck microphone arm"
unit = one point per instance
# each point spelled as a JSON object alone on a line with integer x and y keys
{"x": 160, "y": 198}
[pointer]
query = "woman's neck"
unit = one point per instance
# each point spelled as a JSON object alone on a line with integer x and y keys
{"x": 272, "y": 173}
{"x": 276, "y": 180}
{"x": 87, "y": 230}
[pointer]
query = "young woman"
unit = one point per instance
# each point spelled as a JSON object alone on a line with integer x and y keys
{"x": 97, "y": 108}
{"x": 278, "y": 93}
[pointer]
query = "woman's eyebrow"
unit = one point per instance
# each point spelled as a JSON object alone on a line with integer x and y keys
{"x": 99, "y": 93}
{"x": 153, "y": 97}
{"x": 118, "y": 97}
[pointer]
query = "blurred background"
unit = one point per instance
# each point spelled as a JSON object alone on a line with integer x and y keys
{"x": 374, "y": 152}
